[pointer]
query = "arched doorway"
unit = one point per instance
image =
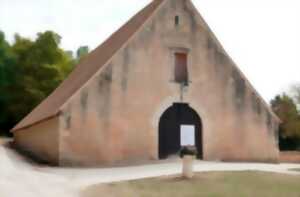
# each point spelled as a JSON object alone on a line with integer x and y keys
{"x": 170, "y": 127}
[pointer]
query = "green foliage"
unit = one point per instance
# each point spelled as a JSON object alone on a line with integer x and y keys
{"x": 7, "y": 80}
{"x": 29, "y": 72}
{"x": 296, "y": 93}
{"x": 289, "y": 130}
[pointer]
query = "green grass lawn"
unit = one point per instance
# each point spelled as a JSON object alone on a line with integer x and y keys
{"x": 210, "y": 184}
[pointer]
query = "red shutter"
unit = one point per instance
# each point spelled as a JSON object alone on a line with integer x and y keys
{"x": 181, "y": 71}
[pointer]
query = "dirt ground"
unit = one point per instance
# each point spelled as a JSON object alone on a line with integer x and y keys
{"x": 21, "y": 177}
{"x": 290, "y": 157}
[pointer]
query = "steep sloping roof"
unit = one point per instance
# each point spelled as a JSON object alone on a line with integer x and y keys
{"x": 50, "y": 107}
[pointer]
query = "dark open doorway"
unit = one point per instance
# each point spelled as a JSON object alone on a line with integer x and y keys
{"x": 170, "y": 125}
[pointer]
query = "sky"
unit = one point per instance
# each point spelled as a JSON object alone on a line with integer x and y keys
{"x": 261, "y": 36}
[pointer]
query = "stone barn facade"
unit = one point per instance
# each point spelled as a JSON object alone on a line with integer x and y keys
{"x": 162, "y": 79}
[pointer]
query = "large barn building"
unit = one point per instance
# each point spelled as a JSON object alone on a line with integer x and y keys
{"x": 161, "y": 81}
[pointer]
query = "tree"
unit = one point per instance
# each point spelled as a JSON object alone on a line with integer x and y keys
{"x": 7, "y": 79}
{"x": 37, "y": 68}
{"x": 289, "y": 130}
{"x": 295, "y": 91}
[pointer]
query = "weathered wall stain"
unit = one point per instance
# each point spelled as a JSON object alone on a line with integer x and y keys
{"x": 256, "y": 105}
{"x": 239, "y": 89}
{"x": 173, "y": 4}
{"x": 84, "y": 101}
{"x": 237, "y": 125}
{"x": 104, "y": 91}
{"x": 105, "y": 78}
{"x": 67, "y": 117}
{"x": 269, "y": 120}
{"x": 210, "y": 44}
{"x": 221, "y": 64}
{"x": 229, "y": 132}
{"x": 220, "y": 58}
{"x": 192, "y": 17}
{"x": 125, "y": 69}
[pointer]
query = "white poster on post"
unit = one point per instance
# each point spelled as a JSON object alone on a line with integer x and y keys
{"x": 187, "y": 135}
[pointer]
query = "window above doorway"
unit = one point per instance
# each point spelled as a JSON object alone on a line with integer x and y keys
{"x": 181, "y": 68}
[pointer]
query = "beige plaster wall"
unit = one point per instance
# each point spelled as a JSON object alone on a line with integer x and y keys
{"x": 40, "y": 140}
{"x": 114, "y": 117}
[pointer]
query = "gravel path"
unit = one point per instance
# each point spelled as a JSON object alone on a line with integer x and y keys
{"x": 20, "y": 178}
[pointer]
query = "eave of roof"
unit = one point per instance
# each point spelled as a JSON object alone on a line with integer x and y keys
{"x": 50, "y": 107}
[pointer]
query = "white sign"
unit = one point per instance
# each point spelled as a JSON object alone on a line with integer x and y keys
{"x": 187, "y": 135}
